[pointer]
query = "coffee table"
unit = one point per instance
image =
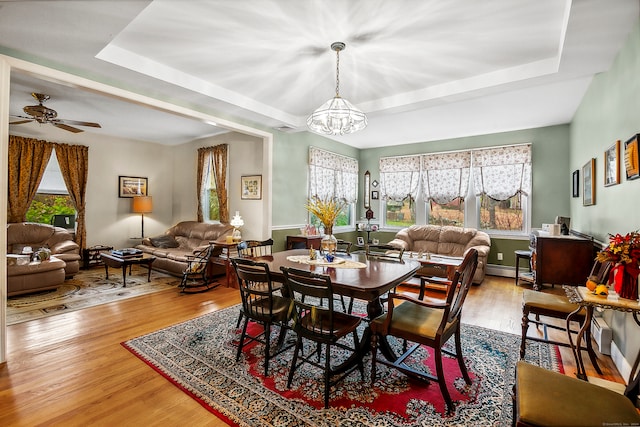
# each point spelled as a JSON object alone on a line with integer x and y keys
{"x": 117, "y": 261}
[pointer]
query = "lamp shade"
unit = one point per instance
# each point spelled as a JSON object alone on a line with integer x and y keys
{"x": 142, "y": 204}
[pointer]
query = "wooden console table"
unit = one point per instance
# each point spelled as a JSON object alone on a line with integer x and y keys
{"x": 303, "y": 242}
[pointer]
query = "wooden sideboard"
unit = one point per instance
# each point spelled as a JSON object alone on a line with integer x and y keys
{"x": 560, "y": 260}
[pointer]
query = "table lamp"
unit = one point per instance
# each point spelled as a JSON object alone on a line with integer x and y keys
{"x": 237, "y": 222}
{"x": 142, "y": 205}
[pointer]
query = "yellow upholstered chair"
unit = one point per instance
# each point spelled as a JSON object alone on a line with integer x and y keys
{"x": 547, "y": 398}
{"x": 430, "y": 322}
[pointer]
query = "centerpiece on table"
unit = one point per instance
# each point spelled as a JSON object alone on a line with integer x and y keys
{"x": 624, "y": 253}
{"x": 327, "y": 211}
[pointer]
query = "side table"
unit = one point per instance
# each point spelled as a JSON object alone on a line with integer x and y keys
{"x": 225, "y": 258}
{"x": 91, "y": 256}
{"x": 584, "y": 298}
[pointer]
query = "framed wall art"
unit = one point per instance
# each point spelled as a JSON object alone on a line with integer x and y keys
{"x": 612, "y": 165}
{"x": 575, "y": 183}
{"x": 251, "y": 187}
{"x": 374, "y": 195}
{"x": 589, "y": 183}
{"x": 631, "y": 158}
{"x": 131, "y": 186}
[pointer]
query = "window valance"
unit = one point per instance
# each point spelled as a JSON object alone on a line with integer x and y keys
{"x": 400, "y": 177}
{"x": 502, "y": 172}
{"x": 446, "y": 176}
{"x": 332, "y": 175}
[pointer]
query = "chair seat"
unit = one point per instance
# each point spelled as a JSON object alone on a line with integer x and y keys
{"x": 412, "y": 320}
{"x": 539, "y": 302}
{"x": 343, "y": 324}
{"x": 260, "y": 309}
{"x": 547, "y": 398}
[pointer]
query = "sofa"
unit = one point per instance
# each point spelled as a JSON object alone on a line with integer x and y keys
{"x": 445, "y": 240}
{"x": 31, "y": 276}
{"x": 184, "y": 239}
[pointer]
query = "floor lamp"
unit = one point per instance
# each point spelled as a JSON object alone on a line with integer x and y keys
{"x": 142, "y": 205}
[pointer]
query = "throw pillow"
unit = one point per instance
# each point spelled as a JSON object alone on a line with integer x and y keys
{"x": 164, "y": 241}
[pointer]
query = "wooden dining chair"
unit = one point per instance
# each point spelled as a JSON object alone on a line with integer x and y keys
{"x": 255, "y": 248}
{"x": 426, "y": 322}
{"x": 344, "y": 246}
{"x": 314, "y": 319}
{"x": 552, "y": 306}
{"x": 260, "y": 304}
{"x": 384, "y": 252}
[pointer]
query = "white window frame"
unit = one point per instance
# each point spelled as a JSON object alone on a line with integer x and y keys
{"x": 351, "y": 205}
{"x": 471, "y": 211}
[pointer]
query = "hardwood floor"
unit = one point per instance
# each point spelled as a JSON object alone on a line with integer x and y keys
{"x": 71, "y": 370}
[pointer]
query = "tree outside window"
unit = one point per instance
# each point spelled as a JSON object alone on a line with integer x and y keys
{"x": 400, "y": 214}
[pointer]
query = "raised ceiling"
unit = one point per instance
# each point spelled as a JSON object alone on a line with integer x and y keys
{"x": 421, "y": 70}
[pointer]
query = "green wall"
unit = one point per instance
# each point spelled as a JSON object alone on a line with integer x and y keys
{"x": 550, "y": 162}
{"x": 609, "y": 112}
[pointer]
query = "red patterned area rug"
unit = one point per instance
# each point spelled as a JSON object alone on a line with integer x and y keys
{"x": 198, "y": 356}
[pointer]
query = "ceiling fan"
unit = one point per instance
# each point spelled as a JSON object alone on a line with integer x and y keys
{"x": 42, "y": 114}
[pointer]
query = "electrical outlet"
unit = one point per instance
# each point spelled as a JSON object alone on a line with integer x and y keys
{"x": 499, "y": 256}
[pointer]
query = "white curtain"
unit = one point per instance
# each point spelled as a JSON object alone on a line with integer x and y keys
{"x": 332, "y": 175}
{"x": 445, "y": 176}
{"x": 502, "y": 172}
{"x": 400, "y": 177}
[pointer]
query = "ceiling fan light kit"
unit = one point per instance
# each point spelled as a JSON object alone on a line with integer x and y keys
{"x": 337, "y": 116}
{"x": 41, "y": 114}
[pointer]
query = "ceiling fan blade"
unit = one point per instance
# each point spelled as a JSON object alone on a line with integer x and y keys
{"x": 76, "y": 123}
{"x": 19, "y": 122}
{"x": 67, "y": 127}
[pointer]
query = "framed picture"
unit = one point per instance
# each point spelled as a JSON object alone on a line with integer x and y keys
{"x": 251, "y": 187}
{"x": 374, "y": 195}
{"x": 631, "y": 158}
{"x": 131, "y": 186}
{"x": 360, "y": 241}
{"x": 612, "y": 165}
{"x": 589, "y": 183}
{"x": 575, "y": 183}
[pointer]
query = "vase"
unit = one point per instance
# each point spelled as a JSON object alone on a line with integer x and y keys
{"x": 625, "y": 282}
{"x": 329, "y": 243}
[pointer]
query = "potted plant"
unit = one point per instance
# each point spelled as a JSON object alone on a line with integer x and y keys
{"x": 326, "y": 210}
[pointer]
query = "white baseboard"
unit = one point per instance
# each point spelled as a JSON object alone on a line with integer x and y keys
{"x": 621, "y": 363}
{"x": 501, "y": 270}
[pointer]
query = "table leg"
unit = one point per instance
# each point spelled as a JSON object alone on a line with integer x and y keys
{"x": 149, "y": 272}
{"x": 106, "y": 271}
{"x": 124, "y": 275}
{"x": 577, "y": 353}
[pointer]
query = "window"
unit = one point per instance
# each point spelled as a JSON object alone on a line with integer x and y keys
{"x": 333, "y": 175}
{"x": 210, "y": 200}
{"x": 487, "y": 189}
{"x": 52, "y": 197}
{"x": 400, "y": 214}
{"x": 451, "y": 213}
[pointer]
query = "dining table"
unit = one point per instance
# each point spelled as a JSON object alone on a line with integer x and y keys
{"x": 353, "y": 275}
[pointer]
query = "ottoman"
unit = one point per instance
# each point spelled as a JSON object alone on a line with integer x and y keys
{"x": 32, "y": 277}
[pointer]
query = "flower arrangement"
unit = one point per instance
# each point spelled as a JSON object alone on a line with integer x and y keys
{"x": 622, "y": 249}
{"x": 326, "y": 210}
{"x": 624, "y": 252}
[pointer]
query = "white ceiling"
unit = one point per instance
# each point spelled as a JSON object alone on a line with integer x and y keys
{"x": 421, "y": 69}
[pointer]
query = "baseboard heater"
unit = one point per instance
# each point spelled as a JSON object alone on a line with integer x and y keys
{"x": 602, "y": 334}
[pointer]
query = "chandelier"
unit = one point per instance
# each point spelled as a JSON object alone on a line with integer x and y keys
{"x": 337, "y": 116}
